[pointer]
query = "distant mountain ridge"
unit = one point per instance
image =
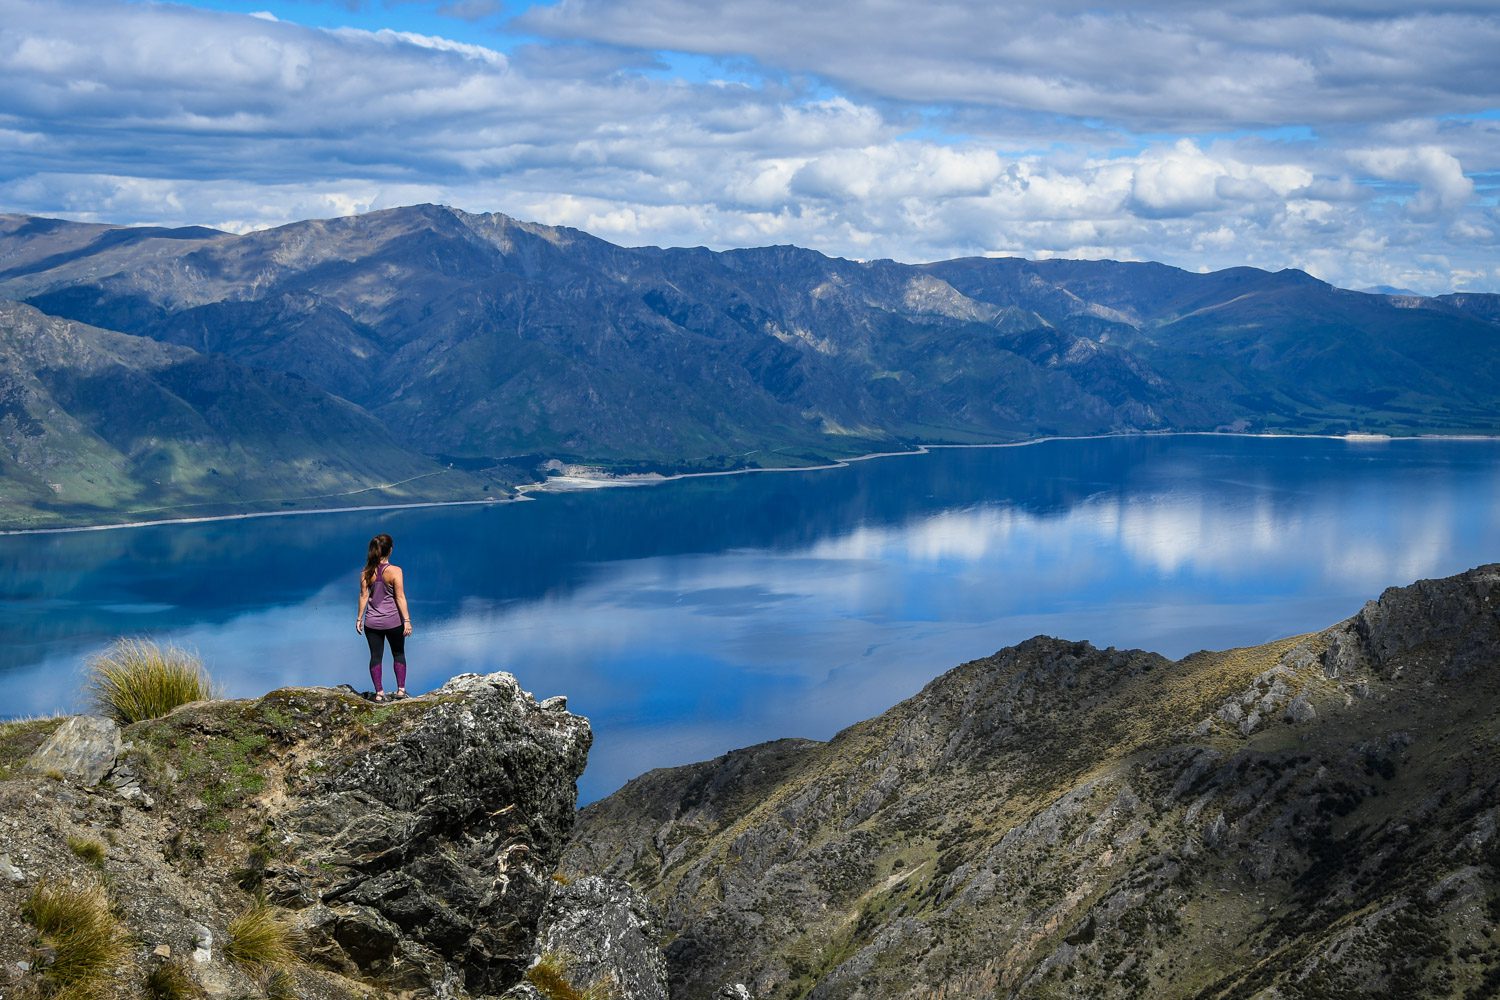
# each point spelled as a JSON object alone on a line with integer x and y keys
{"x": 479, "y": 339}
{"x": 106, "y": 425}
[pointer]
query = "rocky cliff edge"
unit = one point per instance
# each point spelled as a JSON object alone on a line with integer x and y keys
{"x": 401, "y": 850}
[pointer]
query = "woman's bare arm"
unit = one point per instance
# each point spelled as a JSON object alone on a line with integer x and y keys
{"x": 364, "y": 598}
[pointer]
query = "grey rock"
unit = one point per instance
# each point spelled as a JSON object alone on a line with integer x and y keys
{"x": 84, "y": 748}
{"x": 435, "y": 847}
{"x": 366, "y": 936}
{"x": 523, "y": 991}
{"x": 1232, "y": 713}
{"x": 203, "y": 943}
{"x": 9, "y": 871}
{"x": 603, "y": 931}
{"x": 1300, "y": 710}
{"x": 733, "y": 991}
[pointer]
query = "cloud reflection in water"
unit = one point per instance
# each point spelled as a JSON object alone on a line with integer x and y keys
{"x": 691, "y": 618}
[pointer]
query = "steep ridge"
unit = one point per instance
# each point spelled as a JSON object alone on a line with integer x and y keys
{"x": 1315, "y": 817}
{"x": 103, "y": 425}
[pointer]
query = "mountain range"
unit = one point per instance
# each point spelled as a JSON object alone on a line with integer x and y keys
{"x": 455, "y": 353}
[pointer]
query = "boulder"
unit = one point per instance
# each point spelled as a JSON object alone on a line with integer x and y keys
{"x": 83, "y": 748}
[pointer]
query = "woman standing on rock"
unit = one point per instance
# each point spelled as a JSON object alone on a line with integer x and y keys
{"x": 383, "y": 614}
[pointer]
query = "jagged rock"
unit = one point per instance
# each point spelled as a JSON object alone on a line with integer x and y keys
{"x": 444, "y": 836}
{"x": 84, "y": 748}
{"x": 1250, "y": 723}
{"x": 604, "y": 933}
{"x": 523, "y": 991}
{"x": 733, "y": 991}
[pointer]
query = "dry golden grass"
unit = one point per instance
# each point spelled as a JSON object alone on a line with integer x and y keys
{"x": 171, "y": 981}
{"x": 550, "y": 977}
{"x": 260, "y": 940}
{"x": 137, "y": 679}
{"x": 89, "y": 942}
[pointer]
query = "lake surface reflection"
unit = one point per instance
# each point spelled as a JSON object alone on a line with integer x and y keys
{"x": 700, "y": 615}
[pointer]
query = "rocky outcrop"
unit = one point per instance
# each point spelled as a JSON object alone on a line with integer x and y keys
{"x": 600, "y": 937}
{"x": 407, "y": 850}
{"x": 1315, "y": 817}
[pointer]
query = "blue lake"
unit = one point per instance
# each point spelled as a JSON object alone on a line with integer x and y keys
{"x": 688, "y": 618}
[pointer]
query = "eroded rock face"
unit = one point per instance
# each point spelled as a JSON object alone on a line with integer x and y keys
{"x": 606, "y": 933}
{"x": 412, "y": 845}
{"x": 435, "y": 846}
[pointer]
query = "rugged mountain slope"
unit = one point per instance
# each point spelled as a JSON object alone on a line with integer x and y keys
{"x": 103, "y": 425}
{"x": 1284, "y": 346}
{"x": 498, "y": 344}
{"x": 1316, "y": 817}
{"x": 480, "y": 336}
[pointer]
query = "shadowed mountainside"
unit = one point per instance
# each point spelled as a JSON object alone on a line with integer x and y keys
{"x": 484, "y": 340}
{"x": 1315, "y": 817}
{"x": 96, "y": 424}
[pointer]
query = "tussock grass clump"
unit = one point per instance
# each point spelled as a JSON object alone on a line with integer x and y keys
{"x": 88, "y": 940}
{"x": 137, "y": 679}
{"x": 281, "y": 985}
{"x": 170, "y": 981}
{"x": 260, "y": 940}
{"x": 91, "y": 851}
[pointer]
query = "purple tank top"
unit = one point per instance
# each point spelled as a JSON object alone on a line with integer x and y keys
{"x": 381, "y": 611}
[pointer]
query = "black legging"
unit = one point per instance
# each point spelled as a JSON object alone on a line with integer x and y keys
{"x": 376, "y": 637}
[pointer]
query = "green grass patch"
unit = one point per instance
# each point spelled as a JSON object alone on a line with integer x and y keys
{"x": 89, "y": 850}
{"x": 137, "y": 679}
{"x": 89, "y": 942}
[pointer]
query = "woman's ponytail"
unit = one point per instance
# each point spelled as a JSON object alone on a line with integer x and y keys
{"x": 380, "y": 548}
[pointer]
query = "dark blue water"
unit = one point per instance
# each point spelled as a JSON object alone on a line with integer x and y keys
{"x": 700, "y": 615}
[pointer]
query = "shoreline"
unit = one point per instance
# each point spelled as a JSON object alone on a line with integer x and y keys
{"x": 584, "y": 483}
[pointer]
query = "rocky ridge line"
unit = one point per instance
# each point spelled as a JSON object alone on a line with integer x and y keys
{"x": 1314, "y": 817}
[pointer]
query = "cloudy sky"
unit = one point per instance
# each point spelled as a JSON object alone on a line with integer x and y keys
{"x": 1357, "y": 140}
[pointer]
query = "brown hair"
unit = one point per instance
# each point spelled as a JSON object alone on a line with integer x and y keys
{"x": 380, "y": 548}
